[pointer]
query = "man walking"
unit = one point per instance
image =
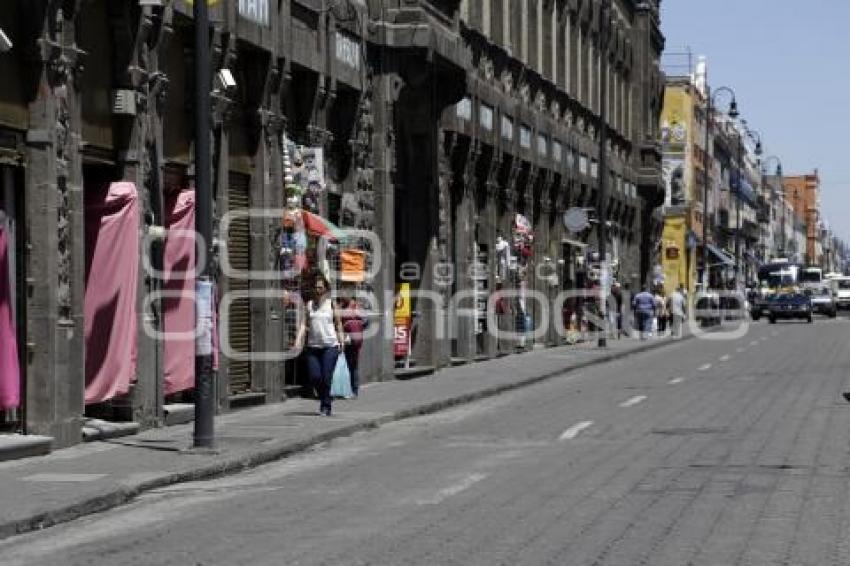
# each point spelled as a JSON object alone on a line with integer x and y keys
{"x": 677, "y": 306}
{"x": 644, "y": 307}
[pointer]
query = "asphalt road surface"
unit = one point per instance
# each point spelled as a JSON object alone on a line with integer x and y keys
{"x": 705, "y": 452}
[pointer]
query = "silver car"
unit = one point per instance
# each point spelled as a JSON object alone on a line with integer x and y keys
{"x": 823, "y": 300}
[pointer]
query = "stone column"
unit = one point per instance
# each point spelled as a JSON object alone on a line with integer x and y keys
{"x": 54, "y": 217}
{"x": 386, "y": 90}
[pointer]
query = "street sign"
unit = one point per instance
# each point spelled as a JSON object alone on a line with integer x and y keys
{"x": 575, "y": 219}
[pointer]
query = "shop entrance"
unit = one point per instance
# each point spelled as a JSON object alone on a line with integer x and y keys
{"x": 12, "y": 301}
{"x": 111, "y": 226}
{"x": 239, "y": 254}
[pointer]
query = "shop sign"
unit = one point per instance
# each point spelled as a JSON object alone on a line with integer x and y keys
{"x": 486, "y": 117}
{"x": 347, "y": 51}
{"x": 256, "y": 11}
{"x": 507, "y": 128}
{"x": 525, "y": 137}
{"x": 402, "y": 315}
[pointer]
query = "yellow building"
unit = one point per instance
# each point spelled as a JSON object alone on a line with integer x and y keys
{"x": 682, "y": 132}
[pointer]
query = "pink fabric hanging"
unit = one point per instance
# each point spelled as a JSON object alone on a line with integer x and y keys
{"x": 179, "y": 311}
{"x": 10, "y": 378}
{"x": 112, "y": 271}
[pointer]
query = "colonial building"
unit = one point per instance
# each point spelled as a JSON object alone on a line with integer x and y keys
{"x": 522, "y": 147}
{"x": 436, "y": 125}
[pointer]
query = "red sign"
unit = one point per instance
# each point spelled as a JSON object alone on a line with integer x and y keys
{"x": 401, "y": 342}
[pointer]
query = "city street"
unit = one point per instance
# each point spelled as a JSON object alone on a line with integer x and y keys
{"x": 704, "y": 452}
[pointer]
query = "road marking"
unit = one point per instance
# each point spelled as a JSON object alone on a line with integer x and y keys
{"x": 64, "y": 478}
{"x": 754, "y": 343}
{"x": 676, "y": 380}
{"x": 725, "y": 358}
{"x": 453, "y": 490}
{"x": 704, "y": 367}
{"x": 633, "y": 401}
{"x": 774, "y": 333}
{"x": 574, "y": 430}
{"x": 741, "y": 350}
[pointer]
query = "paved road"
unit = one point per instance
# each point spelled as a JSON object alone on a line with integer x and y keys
{"x": 707, "y": 452}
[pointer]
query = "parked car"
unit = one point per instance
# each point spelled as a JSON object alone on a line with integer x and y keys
{"x": 787, "y": 306}
{"x": 707, "y": 309}
{"x": 841, "y": 289}
{"x": 823, "y": 300}
{"x": 734, "y": 307}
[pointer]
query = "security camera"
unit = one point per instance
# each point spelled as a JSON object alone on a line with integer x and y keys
{"x": 224, "y": 81}
{"x": 5, "y": 42}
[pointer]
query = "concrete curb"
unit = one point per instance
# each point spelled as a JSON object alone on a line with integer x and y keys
{"x": 284, "y": 449}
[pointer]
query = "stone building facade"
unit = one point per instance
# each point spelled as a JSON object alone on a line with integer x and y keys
{"x": 438, "y": 121}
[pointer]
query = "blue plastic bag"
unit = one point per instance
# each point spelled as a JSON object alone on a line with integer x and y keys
{"x": 341, "y": 384}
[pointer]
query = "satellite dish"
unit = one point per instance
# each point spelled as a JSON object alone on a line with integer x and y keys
{"x": 576, "y": 220}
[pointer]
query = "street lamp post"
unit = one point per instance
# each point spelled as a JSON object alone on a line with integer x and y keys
{"x": 203, "y": 435}
{"x": 602, "y": 226}
{"x": 733, "y": 113}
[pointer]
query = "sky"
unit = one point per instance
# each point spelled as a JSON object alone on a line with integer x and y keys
{"x": 789, "y": 65}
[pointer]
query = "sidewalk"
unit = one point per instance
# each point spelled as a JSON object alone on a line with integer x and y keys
{"x": 42, "y": 491}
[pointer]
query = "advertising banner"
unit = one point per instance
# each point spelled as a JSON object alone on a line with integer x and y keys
{"x": 402, "y": 315}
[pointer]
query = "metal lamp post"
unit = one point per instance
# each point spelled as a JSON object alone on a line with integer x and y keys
{"x": 733, "y": 113}
{"x": 203, "y": 435}
{"x": 602, "y": 206}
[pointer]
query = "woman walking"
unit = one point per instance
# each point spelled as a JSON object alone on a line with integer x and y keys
{"x": 322, "y": 329}
{"x": 354, "y": 322}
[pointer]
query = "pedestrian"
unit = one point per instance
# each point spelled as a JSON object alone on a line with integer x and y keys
{"x": 322, "y": 329}
{"x": 617, "y": 293}
{"x": 677, "y": 306}
{"x": 354, "y": 323}
{"x": 644, "y": 307}
{"x": 660, "y": 311}
{"x": 503, "y": 309}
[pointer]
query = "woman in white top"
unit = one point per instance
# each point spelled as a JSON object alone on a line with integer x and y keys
{"x": 322, "y": 329}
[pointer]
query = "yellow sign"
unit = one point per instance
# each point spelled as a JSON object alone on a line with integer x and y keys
{"x": 402, "y": 301}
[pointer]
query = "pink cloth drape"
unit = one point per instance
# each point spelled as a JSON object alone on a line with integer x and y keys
{"x": 112, "y": 272}
{"x": 10, "y": 377}
{"x": 179, "y": 311}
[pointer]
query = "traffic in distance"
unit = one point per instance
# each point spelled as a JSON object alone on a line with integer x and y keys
{"x": 784, "y": 291}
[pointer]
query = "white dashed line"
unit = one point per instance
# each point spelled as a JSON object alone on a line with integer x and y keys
{"x": 754, "y": 343}
{"x": 633, "y": 401}
{"x": 575, "y": 430}
{"x": 741, "y": 350}
{"x": 725, "y": 358}
{"x": 704, "y": 367}
{"x": 444, "y": 494}
{"x": 676, "y": 380}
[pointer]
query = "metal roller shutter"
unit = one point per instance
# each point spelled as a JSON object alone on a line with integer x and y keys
{"x": 239, "y": 253}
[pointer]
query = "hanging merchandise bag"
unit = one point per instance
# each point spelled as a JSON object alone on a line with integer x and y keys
{"x": 341, "y": 384}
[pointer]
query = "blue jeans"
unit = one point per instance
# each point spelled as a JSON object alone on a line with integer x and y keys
{"x": 352, "y": 357}
{"x": 320, "y": 368}
{"x": 644, "y": 321}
